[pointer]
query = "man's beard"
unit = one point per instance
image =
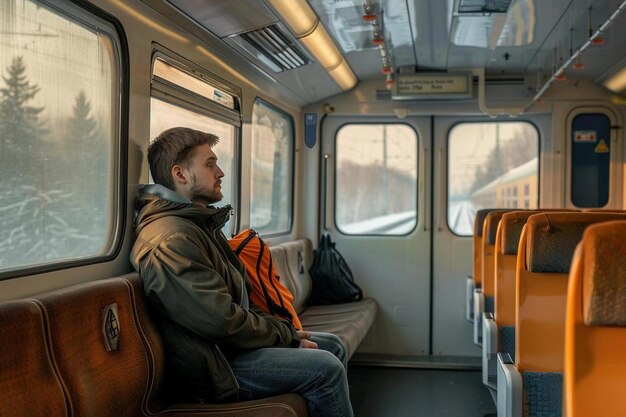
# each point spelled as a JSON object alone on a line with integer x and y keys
{"x": 197, "y": 193}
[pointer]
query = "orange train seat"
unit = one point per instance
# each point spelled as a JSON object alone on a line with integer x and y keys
{"x": 595, "y": 332}
{"x": 505, "y": 264}
{"x": 490, "y": 227}
{"x": 500, "y": 265}
{"x": 534, "y": 381}
{"x": 484, "y": 303}
{"x": 475, "y": 297}
{"x": 499, "y": 327}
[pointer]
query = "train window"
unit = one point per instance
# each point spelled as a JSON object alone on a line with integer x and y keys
{"x": 183, "y": 95}
{"x": 591, "y": 160}
{"x": 492, "y": 164}
{"x": 59, "y": 123}
{"x": 272, "y": 169}
{"x": 376, "y": 179}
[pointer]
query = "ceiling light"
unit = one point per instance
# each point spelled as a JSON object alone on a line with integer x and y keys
{"x": 578, "y": 64}
{"x": 598, "y": 40}
{"x": 298, "y": 15}
{"x": 322, "y": 47}
{"x": 343, "y": 75}
{"x": 306, "y": 26}
{"x": 617, "y": 83}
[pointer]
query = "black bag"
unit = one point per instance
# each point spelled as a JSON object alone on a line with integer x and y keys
{"x": 333, "y": 282}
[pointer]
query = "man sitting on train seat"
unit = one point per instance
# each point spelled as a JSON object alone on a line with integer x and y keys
{"x": 219, "y": 346}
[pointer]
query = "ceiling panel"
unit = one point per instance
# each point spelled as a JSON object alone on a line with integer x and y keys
{"x": 225, "y": 18}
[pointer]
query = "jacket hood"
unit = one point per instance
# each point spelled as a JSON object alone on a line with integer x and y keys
{"x": 155, "y": 201}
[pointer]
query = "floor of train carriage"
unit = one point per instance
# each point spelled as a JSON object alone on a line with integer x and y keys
{"x": 401, "y": 392}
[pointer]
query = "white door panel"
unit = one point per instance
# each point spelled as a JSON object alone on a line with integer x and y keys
{"x": 452, "y": 333}
{"x": 395, "y": 270}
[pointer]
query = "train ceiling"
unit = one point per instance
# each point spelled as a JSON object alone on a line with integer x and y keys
{"x": 505, "y": 37}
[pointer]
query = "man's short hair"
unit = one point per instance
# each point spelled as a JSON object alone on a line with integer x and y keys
{"x": 175, "y": 146}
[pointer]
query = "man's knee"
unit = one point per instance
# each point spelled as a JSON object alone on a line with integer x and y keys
{"x": 329, "y": 367}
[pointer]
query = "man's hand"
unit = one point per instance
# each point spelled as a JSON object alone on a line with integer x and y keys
{"x": 305, "y": 343}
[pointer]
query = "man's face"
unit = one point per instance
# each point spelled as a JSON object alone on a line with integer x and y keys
{"x": 205, "y": 176}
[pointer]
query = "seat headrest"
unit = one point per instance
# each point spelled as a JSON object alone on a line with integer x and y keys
{"x": 491, "y": 223}
{"x": 480, "y": 219}
{"x": 512, "y": 225}
{"x": 604, "y": 274}
{"x": 552, "y": 238}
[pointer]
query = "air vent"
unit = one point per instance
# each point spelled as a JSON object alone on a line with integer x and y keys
{"x": 483, "y": 6}
{"x": 273, "y": 47}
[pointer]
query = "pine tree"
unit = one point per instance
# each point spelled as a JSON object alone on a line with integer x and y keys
{"x": 88, "y": 179}
{"x": 83, "y": 127}
{"x": 20, "y": 128}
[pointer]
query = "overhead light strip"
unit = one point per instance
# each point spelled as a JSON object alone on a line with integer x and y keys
{"x": 307, "y": 28}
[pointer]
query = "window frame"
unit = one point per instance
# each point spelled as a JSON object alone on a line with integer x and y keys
{"x": 417, "y": 172}
{"x": 447, "y": 179}
{"x": 84, "y": 13}
{"x": 178, "y": 96}
{"x": 293, "y": 167}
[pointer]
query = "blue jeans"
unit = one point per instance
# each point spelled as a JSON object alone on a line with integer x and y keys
{"x": 319, "y": 375}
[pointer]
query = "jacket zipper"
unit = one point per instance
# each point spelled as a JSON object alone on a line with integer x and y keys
{"x": 227, "y": 262}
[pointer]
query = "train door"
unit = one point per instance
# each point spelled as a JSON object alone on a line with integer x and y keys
{"x": 478, "y": 163}
{"x": 593, "y": 168}
{"x": 376, "y": 206}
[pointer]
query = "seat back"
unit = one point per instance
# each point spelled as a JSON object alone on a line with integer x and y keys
{"x": 490, "y": 227}
{"x": 507, "y": 245}
{"x": 595, "y": 333}
{"x": 477, "y": 245}
{"x": 545, "y": 252}
{"x": 298, "y": 258}
{"x": 29, "y": 381}
{"x": 104, "y": 374}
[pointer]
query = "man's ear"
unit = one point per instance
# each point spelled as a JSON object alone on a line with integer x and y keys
{"x": 179, "y": 175}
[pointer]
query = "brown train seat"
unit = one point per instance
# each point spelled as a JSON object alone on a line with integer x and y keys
{"x": 55, "y": 360}
{"x": 595, "y": 332}
{"x": 29, "y": 381}
{"x": 60, "y": 357}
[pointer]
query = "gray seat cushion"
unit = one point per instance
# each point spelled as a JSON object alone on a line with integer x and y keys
{"x": 349, "y": 321}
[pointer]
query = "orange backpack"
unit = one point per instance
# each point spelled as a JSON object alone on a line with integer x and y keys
{"x": 268, "y": 292}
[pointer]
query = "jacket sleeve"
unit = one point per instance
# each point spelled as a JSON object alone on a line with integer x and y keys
{"x": 179, "y": 277}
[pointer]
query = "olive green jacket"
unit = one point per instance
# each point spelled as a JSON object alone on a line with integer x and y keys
{"x": 199, "y": 291}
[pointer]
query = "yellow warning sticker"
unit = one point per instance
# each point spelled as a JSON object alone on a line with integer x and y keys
{"x": 602, "y": 147}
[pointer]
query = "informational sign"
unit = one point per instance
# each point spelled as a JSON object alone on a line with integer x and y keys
{"x": 589, "y": 136}
{"x": 223, "y": 98}
{"x": 310, "y": 129}
{"x": 432, "y": 86}
{"x": 602, "y": 147}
